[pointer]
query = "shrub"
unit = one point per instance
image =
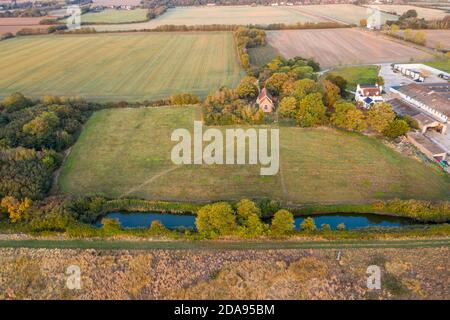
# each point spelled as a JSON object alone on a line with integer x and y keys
{"x": 111, "y": 225}
{"x": 282, "y": 223}
{"x": 340, "y": 227}
{"x": 180, "y": 99}
{"x": 308, "y": 225}
{"x": 14, "y": 102}
{"x": 396, "y": 129}
{"x": 325, "y": 227}
{"x": 158, "y": 229}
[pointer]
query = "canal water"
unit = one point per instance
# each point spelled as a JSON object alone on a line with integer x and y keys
{"x": 172, "y": 221}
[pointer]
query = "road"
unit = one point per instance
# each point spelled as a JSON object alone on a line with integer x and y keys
{"x": 220, "y": 245}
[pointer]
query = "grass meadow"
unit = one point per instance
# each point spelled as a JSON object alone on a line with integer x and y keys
{"x": 357, "y": 75}
{"x": 115, "y": 16}
{"x": 126, "y": 152}
{"x": 113, "y": 67}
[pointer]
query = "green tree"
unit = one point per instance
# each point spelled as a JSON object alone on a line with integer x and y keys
{"x": 340, "y": 82}
{"x": 330, "y": 93}
{"x": 308, "y": 224}
{"x": 396, "y": 128}
{"x": 248, "y": 216}
{"x": 380, "y": 81}
{"x": 275, "y": 83}
{"x": 43, "y": 125}
{"x": 408, "y": 34}
{"x": 348, "y": 117}
{"x": 380, "y": 116}
{"x": 282, "y": 223}
{"x": 420, "y": 38}
{"x": 288, "y": 107}
{"x": 395, "y": 29}
{"x": 216, "y": 219}
{"x": 311, "y": 110}
{"x": 325, "y": 227}
{"x": 15, "y": 101}
{"x": 304, "y": 87}
{"x": 247, "y": 88}
{"x": 340, "y": 227}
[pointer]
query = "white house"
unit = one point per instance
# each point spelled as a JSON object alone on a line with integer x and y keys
{"x": 367, "y": 95}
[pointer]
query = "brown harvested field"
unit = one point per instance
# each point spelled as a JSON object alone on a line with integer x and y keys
{"x": 16, "y": 24}
{"x": 117, "y": 2}
{"x": 419, "y": 273}
{"x": 333, "y": 47}
{"x": 438, "y": 38}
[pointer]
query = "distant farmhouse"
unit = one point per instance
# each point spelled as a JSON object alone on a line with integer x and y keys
{"x": 367, "y": 95}
{"x": 265, "y": 101}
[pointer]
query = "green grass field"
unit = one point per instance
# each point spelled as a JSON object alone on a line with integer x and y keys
{"x": 126, "y": 152}
{"x": 115, "y": 16}
{"x": 358, "y": 74}
{"x": 116, "y": 67}
{"x": 260, "y": 56}
{"x": 443, "y": 65}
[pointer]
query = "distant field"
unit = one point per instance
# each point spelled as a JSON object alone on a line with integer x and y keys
{"x": 242, "y": 15}
{"x": 119, "y": 66}
{"x": 16, "y": 24}
{"x": 346, "y": 13}
{"x": 427, "y": 13}
{"x": 358, "y": 75}
{"x": 333, "y": 47}
{"x": 115, "y": 16}
{"x": 126, "y": 152}
{"x": 438, "y": 38}
{"x": 116, "y": 2}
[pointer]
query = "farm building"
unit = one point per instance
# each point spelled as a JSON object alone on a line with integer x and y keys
{"x": 424, "y": 121}
{"x": 367, "y": 95}
{"x": 418, "y": 75}
{"x": 426, "y": 146}
{"x": 265, "y": 101}
{"x": 431, "y": 99}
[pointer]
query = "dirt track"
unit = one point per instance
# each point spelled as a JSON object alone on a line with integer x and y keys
{"x": 332, "y": 47}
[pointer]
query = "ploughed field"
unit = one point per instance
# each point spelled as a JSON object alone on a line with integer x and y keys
{"x": 426, "y": 13}
{"x": 229, "y": 15}
{"x": 116, "y": 67}
{"x": 333, "y": 47}
{"x": 344, "y": 13}
{"x": 115, "y": 16}
{"x": 13, "y": 25}
{"x": 127, "y": 152}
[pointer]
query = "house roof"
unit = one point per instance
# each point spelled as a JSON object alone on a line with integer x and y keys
{"x": 370, "y": 90}
{"x": 402, "y": 108}
{"x": 436, "y": 96}
{"x": 264, "y": 94}
{"x": 426, "y": 143}
{"x": 368, "y": 100}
